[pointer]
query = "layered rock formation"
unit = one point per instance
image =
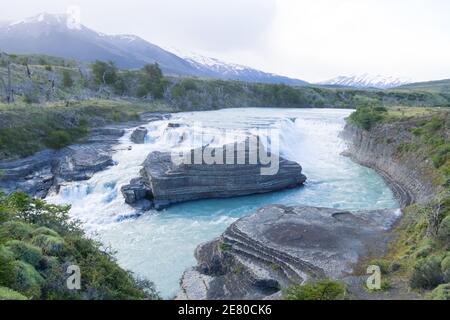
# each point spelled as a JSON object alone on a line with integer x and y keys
{"x": 280, "y": 246}
{"x": 164, "y": 182}
{"x": 409, "y": 177}
{"x": 43, "y": 172}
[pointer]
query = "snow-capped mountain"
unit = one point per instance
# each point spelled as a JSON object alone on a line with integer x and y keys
{"x": 366, "y": 81}
{"x": 212, "y": 66}
{"x": 58, "y": 35}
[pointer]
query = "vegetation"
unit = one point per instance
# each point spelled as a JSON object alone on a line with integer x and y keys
{"x": 38, "y": 242}
{"x": 420, "y": 256}
{"x": 24, "y": 130}
{"x": 322, "y": 290}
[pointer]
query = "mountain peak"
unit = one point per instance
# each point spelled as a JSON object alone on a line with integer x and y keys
{"x": 366, "y": 80}
{"x": 49, "y": 19}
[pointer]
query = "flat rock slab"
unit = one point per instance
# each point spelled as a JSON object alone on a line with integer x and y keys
{"x": 169, "y": 183}
{"x": 280, "y": 246}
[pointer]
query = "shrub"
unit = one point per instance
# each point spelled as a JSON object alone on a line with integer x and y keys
{"x": 15, "y": 230}
{"x": 444, "y": 230}
{"x": 8, "y": 294}
{"x": 427, "y": 273}
{"x": 442, "y": 292}
{"x": 50, "y": 245}
{"x": 58, "y": 139}
{"x": 67, "y": 79}
{"x": 27, "y": 280}
{"x": 366, "y": 117}
{"x": 322, "y": 290}
{"x": 26, "y": 252}
{"x": 44, "y": 230}
{"x": 6, "y": 267}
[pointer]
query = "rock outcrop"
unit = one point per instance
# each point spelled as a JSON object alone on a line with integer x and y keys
{"x": 45, "y": 171}
{"x": 166, "y": 183}
{"x": 280, "y": 246}
{"x": 409, "y": 177}
{"x": 138, "y": 135}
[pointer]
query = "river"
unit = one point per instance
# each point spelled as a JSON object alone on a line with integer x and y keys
{"x": 160, "y": 245}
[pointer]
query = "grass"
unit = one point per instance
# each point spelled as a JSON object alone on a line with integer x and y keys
{"x": 26, "y": 129}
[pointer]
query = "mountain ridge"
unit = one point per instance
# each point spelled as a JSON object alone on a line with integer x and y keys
{"x": 44, "y": 33}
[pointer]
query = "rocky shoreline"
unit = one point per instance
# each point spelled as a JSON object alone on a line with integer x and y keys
{"x": 281, "y": 246}
{"x": 409, "y": 179}
{"x": 45, "y": 171}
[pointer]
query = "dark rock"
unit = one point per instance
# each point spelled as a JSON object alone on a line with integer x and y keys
{"x": 136, "y": 191}
{"x": 138, "y": 135}
{"x": 281, "y": 246}
{"x": 173, "y": 183}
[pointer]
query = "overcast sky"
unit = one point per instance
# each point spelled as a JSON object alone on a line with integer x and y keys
{"x": 312, "y": 40}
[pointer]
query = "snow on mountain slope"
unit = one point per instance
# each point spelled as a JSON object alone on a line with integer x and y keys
{"x": 366, "y": 81}
{"x": 53, "y": 34}
{"x": 232, "y": 71}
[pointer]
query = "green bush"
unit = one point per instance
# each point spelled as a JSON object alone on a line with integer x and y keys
{"x": 50, "y": 245}
{"x": 6, "y": 267}
{"x": 8, "y": 294}
{"x": 26, "y": 252}
{"x": 442, "y": 292}
{"x": 322, "y": 290}
{"x": 444, "y": 230}
{"x": 27, "y": 280}
{"x": 45, "y": 231}
{"x": 15, "y": 230}
{"x": 427, "y": 273}
{"x": 58, "y": 139}
{"x": 366, "y": 117}
{"x": 67, "y": 79}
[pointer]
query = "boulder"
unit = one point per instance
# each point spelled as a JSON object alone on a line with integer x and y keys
{"x": 138, "y": 135}
{"x": 280, "y": 246}
{"x": 136, "y": 191}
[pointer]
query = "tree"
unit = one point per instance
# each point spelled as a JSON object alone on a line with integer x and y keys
{"x": 152, "y": 82}
{"x": 9, "y": 92}
{"x": 67, "y": 79}
{"x": 104, "y": 72}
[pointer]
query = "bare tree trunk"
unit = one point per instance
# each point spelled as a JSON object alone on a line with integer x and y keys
{"x": 28, "y": 70}
{"x": 10, "y": 96}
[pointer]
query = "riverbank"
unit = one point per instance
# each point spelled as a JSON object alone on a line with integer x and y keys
{"x": 412, "y": 253}
{"x": 45, "y": 171}
{"x": 411, "y": 150}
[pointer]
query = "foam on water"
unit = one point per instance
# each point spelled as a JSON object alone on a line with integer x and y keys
{"x": 160, "y": 245}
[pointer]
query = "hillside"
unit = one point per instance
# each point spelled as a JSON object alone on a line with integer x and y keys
{"x": 44, "y": 34}
{"x": 411, "y": 147}
{"x": 440, "y": 86}
{"x": 82, "y": 95}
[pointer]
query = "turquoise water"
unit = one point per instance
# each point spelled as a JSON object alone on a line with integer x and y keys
{"x": 160, "y": 245}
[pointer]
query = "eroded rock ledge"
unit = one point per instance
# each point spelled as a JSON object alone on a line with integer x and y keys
{"x": 45, "y": 171}
{"x": 409, "y": 177}
{"x": 280, "y": 246}
{"x": 163, "y": 183}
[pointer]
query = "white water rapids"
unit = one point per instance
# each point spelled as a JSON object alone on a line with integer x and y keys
{"x": 160, "y": 245}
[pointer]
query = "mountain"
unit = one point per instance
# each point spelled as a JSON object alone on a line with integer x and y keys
{"x": 365, "y": 81}
{"x": 211, "y": 66}
{"x": 439, "y": 86}
{"x": 51, "y": 34}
